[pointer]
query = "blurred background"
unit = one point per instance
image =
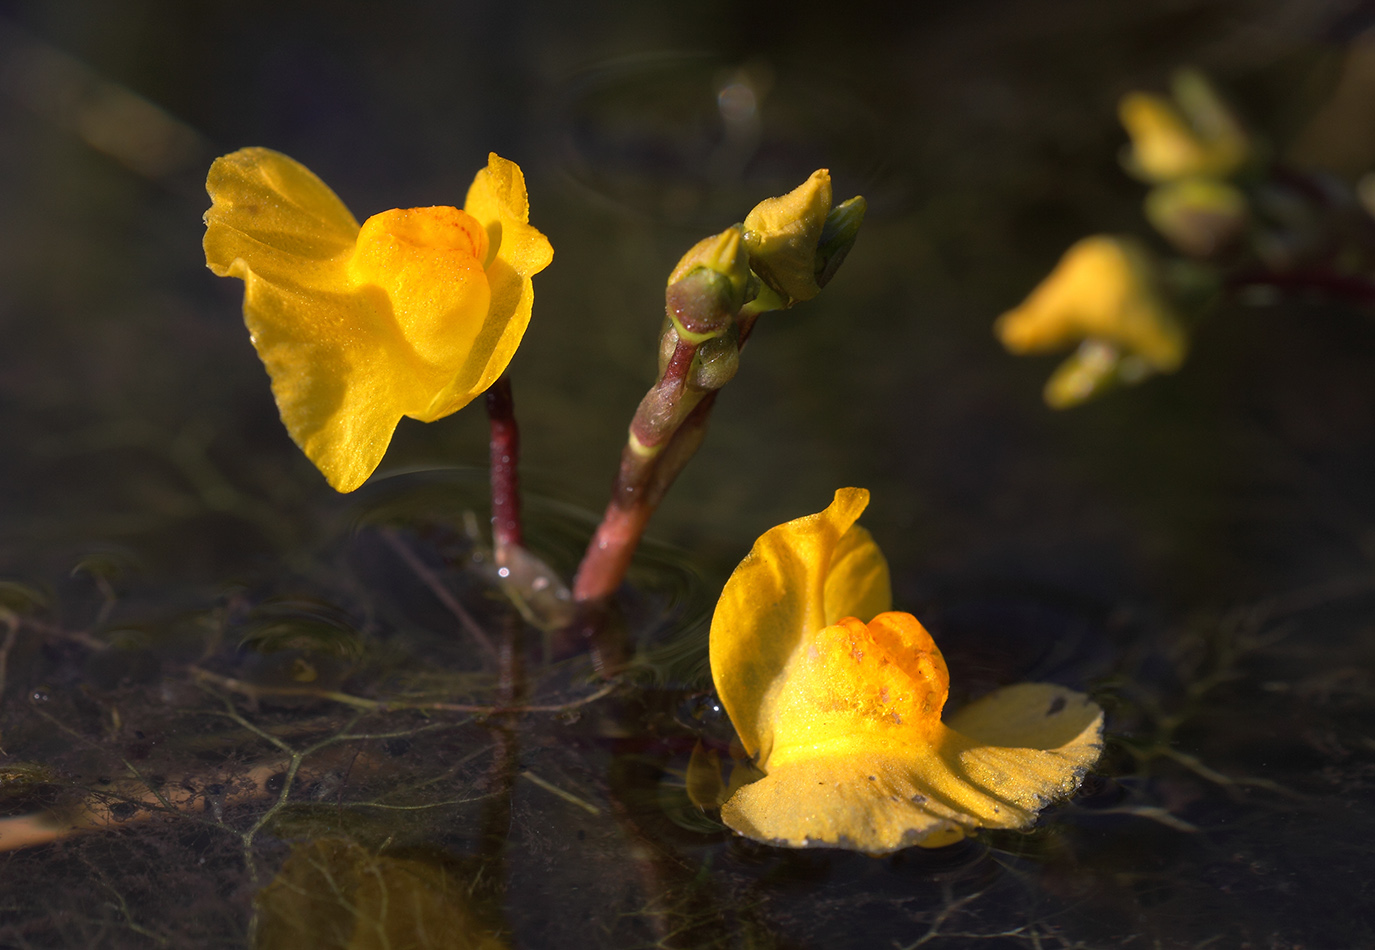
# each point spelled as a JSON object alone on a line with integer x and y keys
{"x": 136, "y": 417}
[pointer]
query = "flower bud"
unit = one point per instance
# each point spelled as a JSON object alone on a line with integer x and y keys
{"x": 1089, "y": 371}
{"x": 716, "y": 362}
{"x": 721, "y": 253}
{"x": 1200, "y": 216}
{"x": 838, "y": 236}
{"x": 701, "y": 306}
{"x": 783, "y": 234}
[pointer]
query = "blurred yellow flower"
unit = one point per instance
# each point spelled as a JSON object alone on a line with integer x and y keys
{"x": 414, "y": 314}
{"x": 839, "y": 702}
{"x": 1102, "y": 292}
{"x": 1195, "y": 135}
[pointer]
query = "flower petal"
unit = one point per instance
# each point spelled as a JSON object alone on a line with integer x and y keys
{"x": 1033, "y": 716}
{"x": 516, "y": 252}
{"x": 341, "y": 372}
{"x": 857, "y": 584}
{"x": 781, "y": 590}
{"x": 1016, "y": 750}
{"x": 274, "y": 214}
{"x": 870, "y": 803}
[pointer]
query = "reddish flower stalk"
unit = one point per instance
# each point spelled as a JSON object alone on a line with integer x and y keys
{"x": 643, "y": 481}
{"x": 787, "y": 249}
{"x": 505, "y": 447}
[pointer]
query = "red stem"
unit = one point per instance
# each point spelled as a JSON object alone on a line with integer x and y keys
{"x": 640, "y": 486}
{"x": 1331, "y": 283}
{"x": 501, "y": 410}
{"x": 610, "y": 550}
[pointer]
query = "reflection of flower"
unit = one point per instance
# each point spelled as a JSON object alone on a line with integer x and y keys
{"x": 1103, "y": 291}
{"x": 414, "y": 314}
{"x": 332, "y": 894}
{"x": 843, "y": 715}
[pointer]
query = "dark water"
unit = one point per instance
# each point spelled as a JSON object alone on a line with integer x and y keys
{"x": 1196, "y": 553}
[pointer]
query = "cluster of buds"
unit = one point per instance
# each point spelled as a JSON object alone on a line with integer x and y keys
{"x": 786, "y": 250}
{"x": 1190, "y": 149}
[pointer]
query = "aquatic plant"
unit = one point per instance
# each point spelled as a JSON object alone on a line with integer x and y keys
{"x": 838, "y": 700}
{"x": 416, "y": 313}
{"x": 1240, "y": 221}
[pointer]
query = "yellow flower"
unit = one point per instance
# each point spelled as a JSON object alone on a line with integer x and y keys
{"x": 1200, "y": 137}
{"x": 414, "y": 314}
{"x": 839, "y": 701}
{"x": 1103, "y": 291}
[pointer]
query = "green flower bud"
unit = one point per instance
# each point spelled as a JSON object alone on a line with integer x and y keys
{"x": 701, "y": 305}
{"x": 838, "y": 236}
{"x": 1200, "y": 216}
{"x": 721, "y": 253}
{"x": 1089, "y": 371}
{"x": 1096, "y": 367}
{"x": 716, "y": 362}
{"x": 708, "y": 287}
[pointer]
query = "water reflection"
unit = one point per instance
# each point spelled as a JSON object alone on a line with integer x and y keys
{"x": 333, "y": 894}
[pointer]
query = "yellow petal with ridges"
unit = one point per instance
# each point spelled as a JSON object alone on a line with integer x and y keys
{"x": 275, "y": 215}
{"x": 333, "y": 359}
{"x": 857, "y": 584}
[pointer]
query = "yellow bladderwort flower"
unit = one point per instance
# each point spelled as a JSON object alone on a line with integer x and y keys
{"x": 1194, "y": 135}
{"x": 1104, "y": 293}
{"x": 838, "y": 700}
{"x": 414, "y": 314}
